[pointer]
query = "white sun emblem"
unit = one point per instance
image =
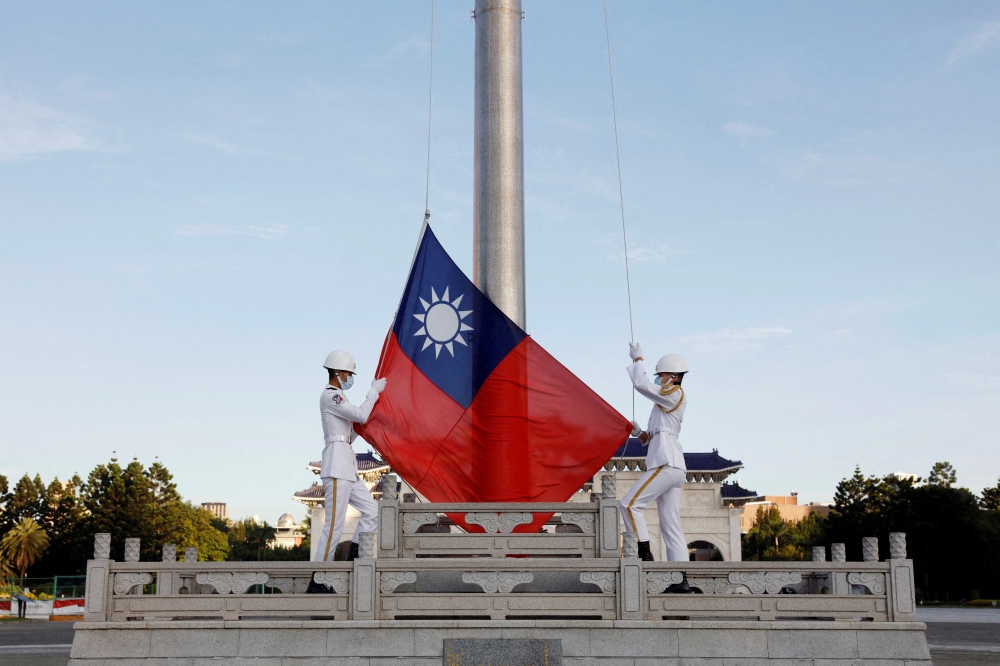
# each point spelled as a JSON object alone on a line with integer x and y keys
{"x": 442, "y": 323}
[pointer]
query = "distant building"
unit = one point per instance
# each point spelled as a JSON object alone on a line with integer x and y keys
{"x": 217, "y": 509}
{"x": 788, "y": 506}
{"x": 903, "y": 476}
{"x": 711, "y": 509}
{"x": 287, "y": 533}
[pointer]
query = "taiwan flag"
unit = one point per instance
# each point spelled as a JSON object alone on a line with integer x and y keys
{"x": 474, "y": 410}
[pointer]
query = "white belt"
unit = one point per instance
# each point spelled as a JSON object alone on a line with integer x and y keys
{"x": 337, "y": 438}
{"x": 659, "y": 430}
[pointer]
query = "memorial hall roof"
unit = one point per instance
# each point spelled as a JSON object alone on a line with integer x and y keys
{"x": 366, "y": 461}
{"x": 734, "y": 494}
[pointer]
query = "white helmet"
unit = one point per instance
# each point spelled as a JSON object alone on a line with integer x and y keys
{"x": 340, "y": 360}
{"x": 671, "y": 363}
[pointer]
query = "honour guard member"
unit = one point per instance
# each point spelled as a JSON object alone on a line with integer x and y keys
{"x": 665, "y": 469}
{"x": 339, "y": 470}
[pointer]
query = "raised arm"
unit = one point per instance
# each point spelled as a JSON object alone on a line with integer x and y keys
{"x": 360, "y": 413}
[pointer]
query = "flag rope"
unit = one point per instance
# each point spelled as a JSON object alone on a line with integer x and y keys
{"x": 621, "y": 194}
{"x": 430, "y": 113}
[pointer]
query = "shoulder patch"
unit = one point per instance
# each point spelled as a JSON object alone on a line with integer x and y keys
{"x": 337, "y": 398}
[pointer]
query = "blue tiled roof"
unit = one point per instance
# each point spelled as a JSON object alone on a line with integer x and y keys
{"x": 733, "y": 491}
{"x": 366, "y": 461}
{"x": 700, "y": 462}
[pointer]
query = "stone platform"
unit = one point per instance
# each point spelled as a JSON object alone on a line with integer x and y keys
{"x": 569, "y": 596}
{"x": 419, "y": 642}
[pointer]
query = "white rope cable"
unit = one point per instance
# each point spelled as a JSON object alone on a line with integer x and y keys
{"x": 621, "y": 194}
{"x": 430, "y": 114}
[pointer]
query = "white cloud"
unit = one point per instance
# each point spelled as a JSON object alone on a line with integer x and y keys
{"x": 29, "y": 130}
{"x": 746, "y": 130}
{"x": 986, "y": 35}
{"x": 735, "y": 341}
{"x": 269, "y": 232}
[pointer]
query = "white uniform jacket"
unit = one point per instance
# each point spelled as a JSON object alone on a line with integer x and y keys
{"x": 664, "y": 422}
{"x": 338, "y": 432}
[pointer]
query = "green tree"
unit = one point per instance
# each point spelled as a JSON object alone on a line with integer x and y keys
{"x": 773, "y": 538}
{"x": 62, "y": 517}
{"x": 23, "y": 545}
{"x": 942, "y": 474}
{"x": 990, "y": 499}
{"x": 134, "y": 501}
{"x": 27, "y": 500}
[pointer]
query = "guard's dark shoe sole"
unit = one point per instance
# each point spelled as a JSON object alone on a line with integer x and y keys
{"x": 316, "y": 588}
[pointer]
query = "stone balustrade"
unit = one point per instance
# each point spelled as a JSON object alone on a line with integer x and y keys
{"x": 496, "y": 588}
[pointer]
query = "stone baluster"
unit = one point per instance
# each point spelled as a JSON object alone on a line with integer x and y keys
{"x": 632, "y": 591}
{"x": 96, "y": 607}
{"x": 364, "y": 590}
{"x": 409, "y": 498}
{"x": 819, "y": 553}
{"x": 838, "y": 579}
{"x": 165, "y": 579}
{"x": 897, "y": 545}
{"x": 903, "y": 598}
{"x": 607, "y": 518}
{"x": 388, "y": 519}
{"x": 869, "y": 549}
{"x": 186, "y": 584}
{"x": 132, "y": 550}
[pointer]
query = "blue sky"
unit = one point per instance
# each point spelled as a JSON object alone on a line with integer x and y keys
{"x": 199, "y": 201}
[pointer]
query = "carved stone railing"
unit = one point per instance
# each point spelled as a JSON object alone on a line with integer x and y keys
{"x": 498, "y": 588}
{"x": 581, "y": 529}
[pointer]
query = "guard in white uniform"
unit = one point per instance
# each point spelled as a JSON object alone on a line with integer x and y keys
{"x": 339, "y": 471}
{"x": 665, "y": 468}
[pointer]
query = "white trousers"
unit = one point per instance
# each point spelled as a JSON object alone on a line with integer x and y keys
{"x": 664, "y": 485}
{"x": 338, "y": 493}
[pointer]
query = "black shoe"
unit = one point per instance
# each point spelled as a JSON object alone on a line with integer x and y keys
{"x": 679, "y": 588}
{"x": 318, "y": 588}
{"x": 353, "y": 555}
{"x": 644, "y": 553}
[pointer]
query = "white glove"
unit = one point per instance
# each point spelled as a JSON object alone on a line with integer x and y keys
{"x": 378, "y": 385}
{"x": 634, "y": 350}
{"x": 635, "y": 429}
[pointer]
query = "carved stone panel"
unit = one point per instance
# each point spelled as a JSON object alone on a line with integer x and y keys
{"x": 169, "y": 552}
{"x": 290, "y": 584}
{"x": 125, "y": 583}
{"x": 602, "y": 579}
{"x": 191, "y": 554}
{"x": 657, "y": 581}
{"x": 497, "y": 582}
{"x": 390, "y": 580}
{"x": 584, "y": 520}
{"x": 760, "y": 582}
{"x": 698, "y": 498}
{"x": 504, "y": 523}
{"x": 102, "y": 546}
{"x": 232, "y": 583}
{"x": 874, "y": 582}
{"x": 838, "y": 552}
{"x": 717, "y": 585}
{"x": 338, "y": 580}
{"x": 414, "y": 521}
{"x": 819, "y": 553}
{"x": 131, "y": 550}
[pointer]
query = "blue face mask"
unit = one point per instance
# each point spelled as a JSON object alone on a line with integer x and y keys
{"x": 348, "y": 383}
{"x": 658, "y": 381}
